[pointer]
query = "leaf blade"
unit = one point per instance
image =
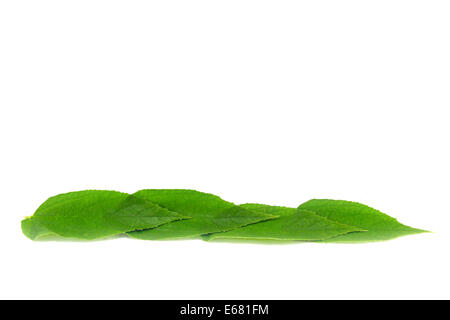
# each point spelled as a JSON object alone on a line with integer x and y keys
{"x": 94, "y": 214}
{"x": 209, "y": 214}
{"x": 379, "y": 225}
{"x": 292, "y": 224}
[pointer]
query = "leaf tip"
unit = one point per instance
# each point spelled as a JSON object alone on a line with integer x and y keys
{"x": 422, "y": 231}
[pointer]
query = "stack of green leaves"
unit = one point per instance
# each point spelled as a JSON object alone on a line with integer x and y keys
{"x": 187, "y": 214}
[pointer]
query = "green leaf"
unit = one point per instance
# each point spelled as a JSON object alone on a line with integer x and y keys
{"x": 292, "y": 224}
{"x": 379, "y": 226}
{"x": 209, "y": 214}
{"x": 94, "y": 214}
{"x": 175, "y": 214}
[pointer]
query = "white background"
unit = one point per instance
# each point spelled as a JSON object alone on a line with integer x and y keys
{"x": 274, "y": 102}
